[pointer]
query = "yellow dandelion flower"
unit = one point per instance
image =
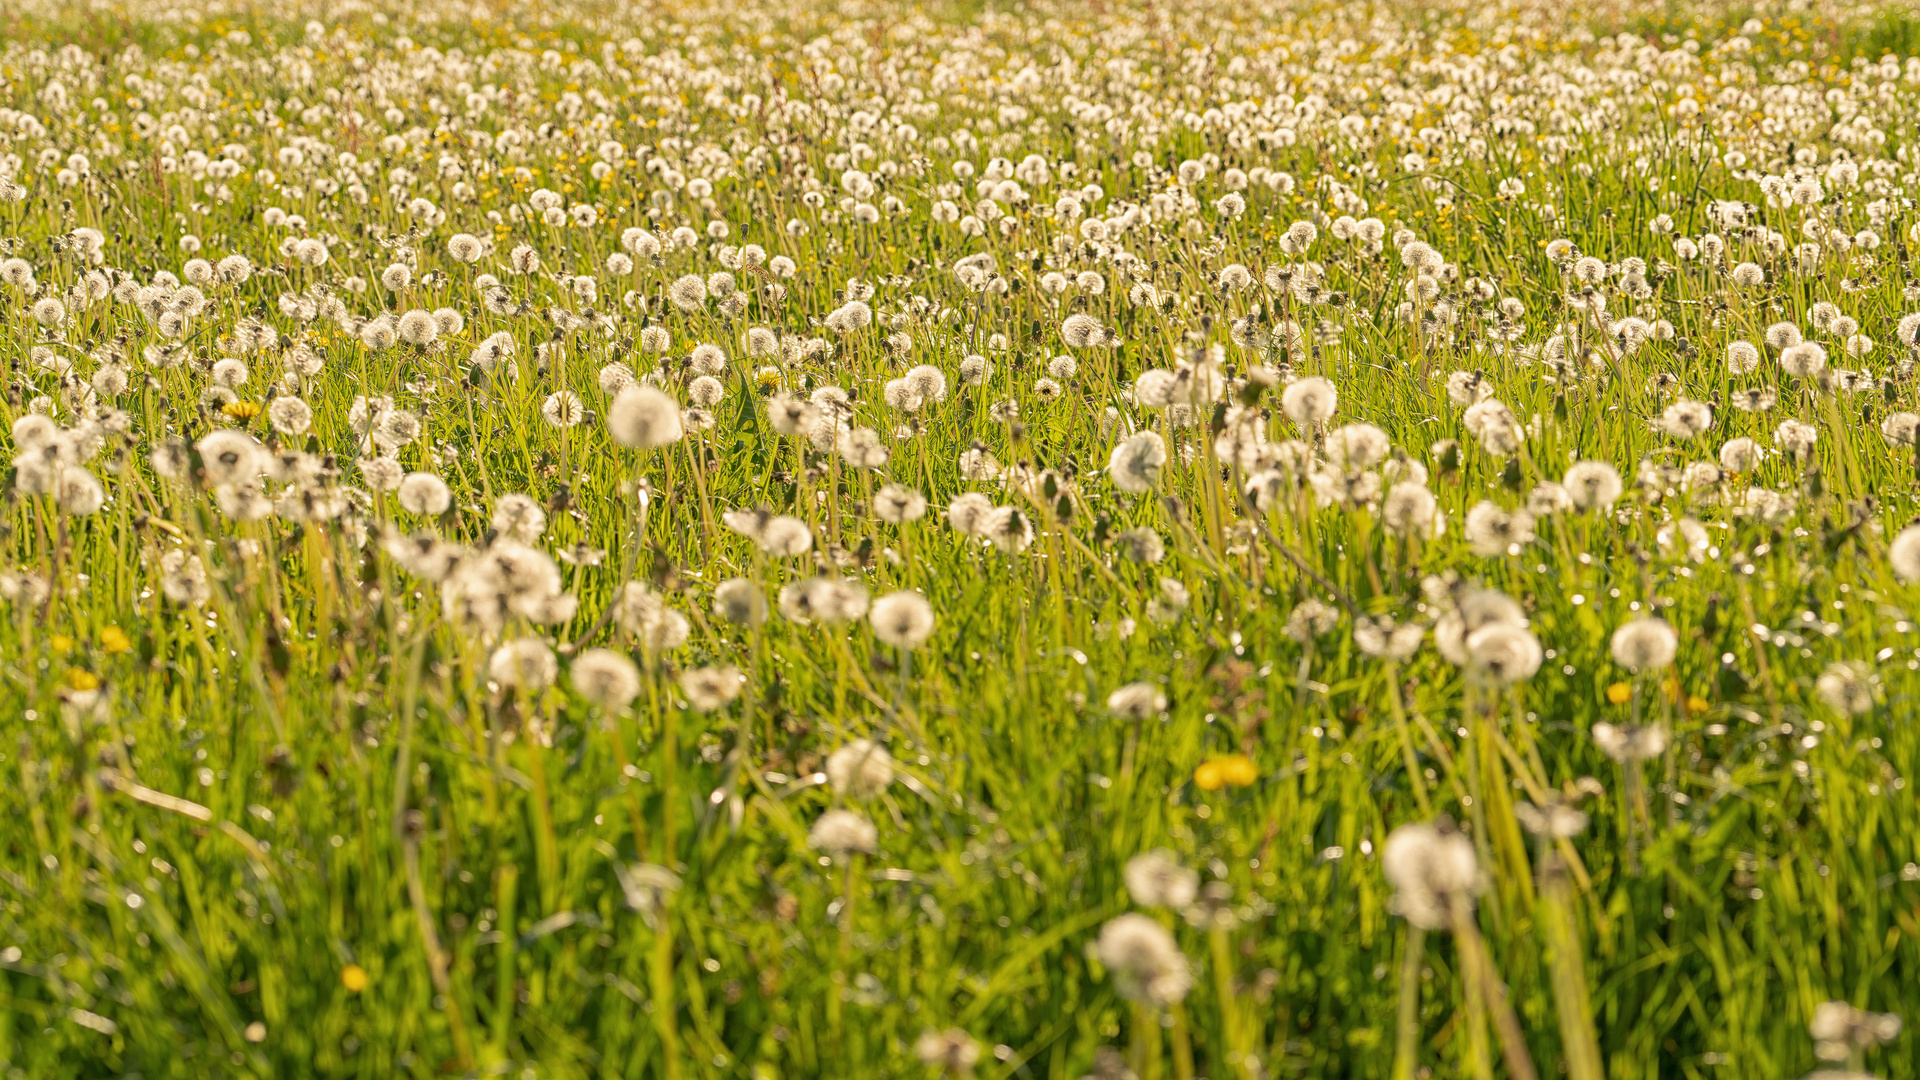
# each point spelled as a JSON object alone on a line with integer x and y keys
{"x": 1238, "y": 770}
{"x": 1207, "y": 777}
{"x": 1235, "y": 770}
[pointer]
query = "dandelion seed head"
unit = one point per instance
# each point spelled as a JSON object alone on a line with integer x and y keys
{"x": 1630, "y": 743}
{"x": 644, "y": 417}
{"x": 709, "y": 689}
{"x": 1309, "y": 402}
{"x": 841, "y": 833}
{"x": 1143, "y": 961}
{"x": 1156, "y": 879}
{"x": 525, "y": 664}
{"x": 1847, "y": 688}
{"x": 861, "y": 769}
{"x": 1644, "y": 644}
{"x": 1434, "y": 874}
{"x": 1136, "y": 463}
{"x": 605, "y": 678}
{"x": 903, "y": 620}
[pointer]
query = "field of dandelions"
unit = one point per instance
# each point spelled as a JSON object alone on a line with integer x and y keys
{"x": 1233, "y": 541}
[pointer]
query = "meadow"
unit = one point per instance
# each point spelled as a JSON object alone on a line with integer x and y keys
{"x": 1131, "y": 542}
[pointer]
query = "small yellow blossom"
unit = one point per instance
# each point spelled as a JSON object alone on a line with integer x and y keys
{"x": 1235, "y": 770}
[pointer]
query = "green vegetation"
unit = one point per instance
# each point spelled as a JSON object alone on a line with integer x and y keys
{"x": 1045, "y": 541}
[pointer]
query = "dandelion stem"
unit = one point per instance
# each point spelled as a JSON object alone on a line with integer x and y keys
{"x": 505, "y": 890}
{"x": 1572, "y": 1005}
{"x": 1406, "y": 1042}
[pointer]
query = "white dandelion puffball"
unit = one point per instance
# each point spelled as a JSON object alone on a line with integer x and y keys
{"x": 860, "y": 770}
{"x": 1136, "y": 463}
{"x": 425, "y": 494}
{"x": 1644, "y": 644}
{"x": 645, "y": 417}
{"x": 1310, "y": 401}
{"x": 605, "y": 678}
{"x": 1904, "y": 554}
{"x": 903, "y": 620}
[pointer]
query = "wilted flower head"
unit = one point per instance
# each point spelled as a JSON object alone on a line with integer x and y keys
{"x": 1410, "y": 509}
{"x": 785, "y": 537}
{"x": 1354, "y": 447}
{"x": 1739, "y": 455}
{"x": 1081, "y": 331}
{"x": 1803, "y": 360}
{"x": 688, "y": 292}
{"x": 563, "y": 409}
{"x": 289, "y": 415}
{"x": 792, "y": 416}
{"x": 1467, "y": 611}
{"x": 418, "y": 328}
{"x": 1491, "y": 530}
{"x": 968, "y": 513}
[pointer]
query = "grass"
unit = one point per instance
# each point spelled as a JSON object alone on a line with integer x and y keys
{"x": 298, "y": 830}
